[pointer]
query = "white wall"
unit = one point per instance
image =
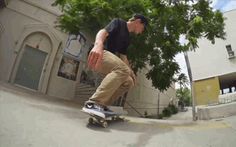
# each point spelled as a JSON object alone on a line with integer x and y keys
{"x": 144, "y": 97}
{"x": 212, "y": 60}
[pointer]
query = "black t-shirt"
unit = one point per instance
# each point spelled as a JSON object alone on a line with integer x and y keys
{"x": 118, "y": 39}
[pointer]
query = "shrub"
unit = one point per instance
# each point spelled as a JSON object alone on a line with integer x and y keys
{"x": 166, "y": 112}
{"x": 160, "y": 116}
{"x": 173, "y": 109}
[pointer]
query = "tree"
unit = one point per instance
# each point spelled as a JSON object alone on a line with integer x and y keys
{"x": 184, "y": 96}
{"x": 183, "y": 93}
{"x": 182, "y": 80}
{"x": 156, "y": 49}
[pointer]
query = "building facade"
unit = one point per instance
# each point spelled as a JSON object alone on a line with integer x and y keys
{"x": 213, "y": 66}
{"x": 36, "y": 55}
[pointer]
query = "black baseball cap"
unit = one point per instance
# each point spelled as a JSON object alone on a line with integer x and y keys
{"x": 143, "y": 19}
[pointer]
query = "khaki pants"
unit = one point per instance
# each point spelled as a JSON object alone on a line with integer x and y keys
{"x": 116, "y": 82}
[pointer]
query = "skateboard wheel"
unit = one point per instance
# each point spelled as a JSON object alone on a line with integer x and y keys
{"x": 90, "y": 120}
{"x": 105, "y": 124}
{"x": 122, "y": 118}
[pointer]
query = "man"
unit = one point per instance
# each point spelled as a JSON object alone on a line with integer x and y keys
{"x": 108, "y": 56}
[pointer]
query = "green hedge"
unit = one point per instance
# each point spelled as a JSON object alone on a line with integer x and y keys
{"x": 168, "y": 111}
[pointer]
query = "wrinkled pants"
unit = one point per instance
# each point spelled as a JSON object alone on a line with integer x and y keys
{"x": 116, "y": 82}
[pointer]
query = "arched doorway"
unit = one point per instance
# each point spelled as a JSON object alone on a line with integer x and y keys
{"x": 32, "y": 61}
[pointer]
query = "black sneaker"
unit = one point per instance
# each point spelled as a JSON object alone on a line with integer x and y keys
{"x": 98, "y": 110}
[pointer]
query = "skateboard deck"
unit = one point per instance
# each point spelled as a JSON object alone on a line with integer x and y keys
{"x": 94, "y": 119}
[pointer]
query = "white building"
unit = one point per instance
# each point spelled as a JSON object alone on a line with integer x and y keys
{"x": 214, "y": 66}
{"x": 33, "y": 56}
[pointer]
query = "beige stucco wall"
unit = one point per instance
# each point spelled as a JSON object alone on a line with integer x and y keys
{"x": 26, "y": 22}
{"x": 30, "y": 17}
{"x": 144, "y": 97}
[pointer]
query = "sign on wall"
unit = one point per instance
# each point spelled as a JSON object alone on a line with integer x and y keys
{"x": 75, "y": 45}
{"x": 68, "y": 68}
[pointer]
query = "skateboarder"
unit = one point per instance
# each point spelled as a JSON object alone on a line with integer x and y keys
{"x": 108, "y": 56}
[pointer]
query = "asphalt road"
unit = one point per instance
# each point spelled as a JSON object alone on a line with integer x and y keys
{"x": 28, "y": 119}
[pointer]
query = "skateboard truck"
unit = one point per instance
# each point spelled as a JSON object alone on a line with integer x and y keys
{"x": 101, "y": 121}
{"x": 94, "y": 119}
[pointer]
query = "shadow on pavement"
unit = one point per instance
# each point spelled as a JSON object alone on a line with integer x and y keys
{"x": 146, "y": 130}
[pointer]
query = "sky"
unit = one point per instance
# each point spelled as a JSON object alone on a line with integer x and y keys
{"x": 223, "y": 6}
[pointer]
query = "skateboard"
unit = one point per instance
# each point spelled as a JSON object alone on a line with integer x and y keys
{"x": 94, "y": 119}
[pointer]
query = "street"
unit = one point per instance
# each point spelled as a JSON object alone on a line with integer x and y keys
{"x": 28, "y": 119}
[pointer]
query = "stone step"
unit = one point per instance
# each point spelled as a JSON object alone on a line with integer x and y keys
{"x": 85, "y": 91}
{"x": 84, "y": 86}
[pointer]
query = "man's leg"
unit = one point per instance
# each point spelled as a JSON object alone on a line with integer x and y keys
{"x": 117, "y": 73}
{"x": 125, "y": 87}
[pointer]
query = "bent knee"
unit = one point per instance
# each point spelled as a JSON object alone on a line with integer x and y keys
{"x": 123, "y": 69}
{"x": 128, "y": 83}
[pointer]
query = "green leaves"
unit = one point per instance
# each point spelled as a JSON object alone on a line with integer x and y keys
{"x": 162, "y": 73}
{"x": 157, "y": 47}
{"x": 184, "y": 96}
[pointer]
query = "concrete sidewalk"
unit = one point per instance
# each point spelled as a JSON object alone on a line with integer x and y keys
{"x": 187, "y": 115}
{"x": 28, "y": 119}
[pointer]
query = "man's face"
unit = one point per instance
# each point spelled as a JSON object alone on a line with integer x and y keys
{"x": 139, "y": 27}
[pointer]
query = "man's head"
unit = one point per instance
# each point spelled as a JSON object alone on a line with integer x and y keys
{"x": 140, "y": 23}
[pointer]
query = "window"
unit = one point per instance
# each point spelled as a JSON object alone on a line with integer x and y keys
{"x": 226, "y": 90}
{"x": 230, "y": 51}
{"x": 2, "y": 3}
{"x": 1, "y": 29}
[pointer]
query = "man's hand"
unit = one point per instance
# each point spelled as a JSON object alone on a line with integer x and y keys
{"x": 96, "y": 54}
{"x": 95, "y": 57}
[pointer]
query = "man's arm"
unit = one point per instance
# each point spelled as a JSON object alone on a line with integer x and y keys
{"x": 96, "y": 54}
